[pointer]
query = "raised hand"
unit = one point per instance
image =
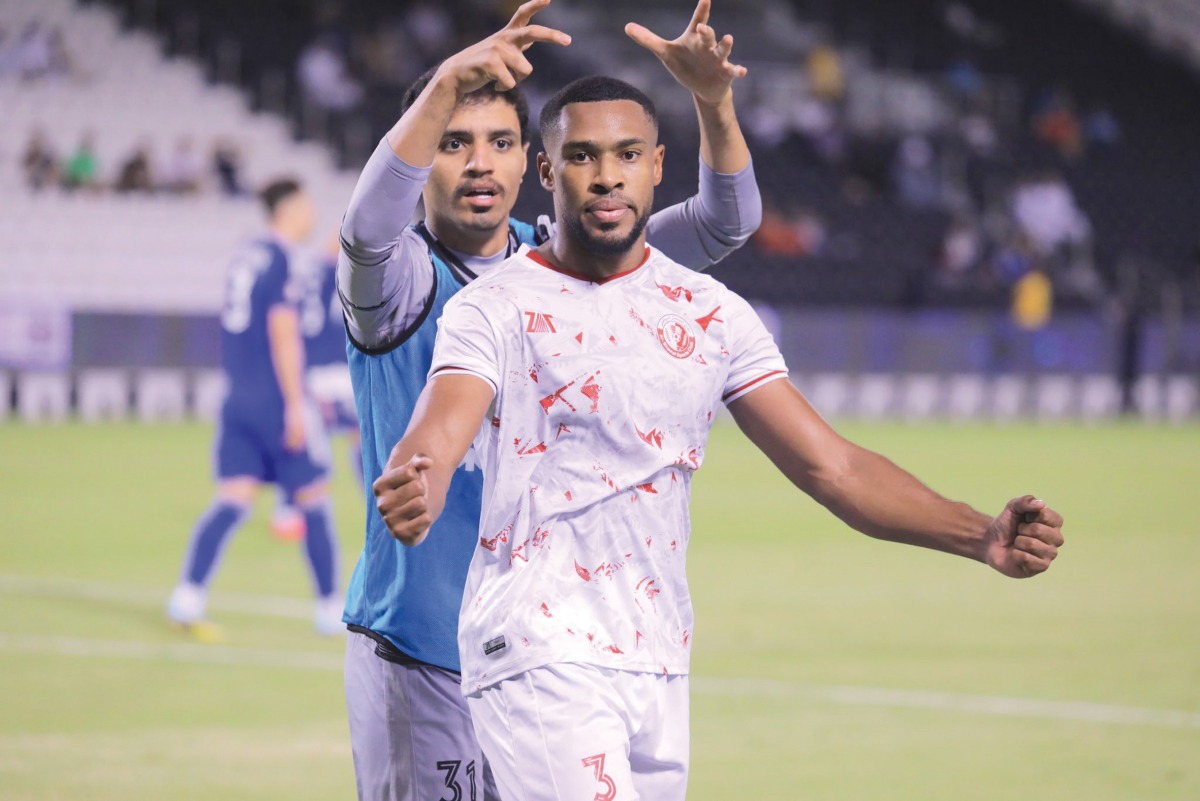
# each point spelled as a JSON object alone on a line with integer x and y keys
{"x": 401, "y": 498}
{"x": 1024, "y": 539}
{"x": 500, "y": 57}
{"x": 697, "y": 59}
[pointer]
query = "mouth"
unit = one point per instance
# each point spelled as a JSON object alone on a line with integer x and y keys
{"x": 481, "y": 195}
{"x": 608, "y": 211}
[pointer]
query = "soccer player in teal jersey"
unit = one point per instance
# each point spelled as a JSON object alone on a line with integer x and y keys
{"x": 461, "y": 146}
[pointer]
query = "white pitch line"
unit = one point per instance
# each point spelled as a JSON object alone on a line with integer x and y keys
{"x": 142, "y": 595}
{"x": 195, "y": 653}
{"x": 1075, "y": 712}
{"x": 1004, "y": 706}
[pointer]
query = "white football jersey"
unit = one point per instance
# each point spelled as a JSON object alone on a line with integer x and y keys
{"x": 605, "y": 394}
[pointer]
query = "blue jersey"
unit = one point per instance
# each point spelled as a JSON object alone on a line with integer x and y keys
{"x": 258, "y": 280}
{"x": 321, "y": 318}
{"x": 412, "y": 596}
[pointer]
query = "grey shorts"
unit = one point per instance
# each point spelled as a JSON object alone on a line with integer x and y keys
{"x": 410, "y": 731}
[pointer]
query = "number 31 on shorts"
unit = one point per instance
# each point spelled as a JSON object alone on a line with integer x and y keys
{"x": 596, "y": 763}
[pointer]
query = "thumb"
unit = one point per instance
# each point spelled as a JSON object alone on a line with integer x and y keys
{"x": 420, "y": 463}
{"x": 645, "y": 37}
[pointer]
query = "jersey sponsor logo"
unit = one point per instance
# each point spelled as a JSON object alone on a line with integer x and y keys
{"x": 675, "y": 334}
{"x": 539, "y": 323}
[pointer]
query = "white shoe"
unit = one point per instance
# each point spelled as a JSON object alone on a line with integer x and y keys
{"x": 328, "y": 616}
{"x": 187, "y": 604}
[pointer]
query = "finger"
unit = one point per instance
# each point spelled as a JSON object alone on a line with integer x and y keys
{"x": 394, "y": 478}
{"x": 1042, "y": 532}
{"x": 646, "y": 38}
{"x": 1024, "y": 504}
{"x": 708, "y": 37}
{"x": 700, "y": 15}
{"x": 1035, "y": 547}
{"x": 401, "y": 515}
{"x": 525, "y": 13}
{"x": 1030, "y": 565}
{"x": 421, "y": 462}
{"x": 516, "y": 69}
{"x": 529, "y": 35}
{"x": 1049, "y": 517}
{"x": 724, "y": 47}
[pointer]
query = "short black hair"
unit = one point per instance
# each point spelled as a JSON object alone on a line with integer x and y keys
{"x": 592, "y": 89}
{"x": 278, "y": 191}
{"x": 483, "y": 94}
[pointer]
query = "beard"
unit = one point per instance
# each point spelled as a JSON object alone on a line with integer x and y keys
{"x": 599, "y": 245}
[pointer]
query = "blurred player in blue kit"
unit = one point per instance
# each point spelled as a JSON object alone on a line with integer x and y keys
{"x": 461, "y": 146}
{"x": 269, "y": 429}
{"x": 327, "y": 375}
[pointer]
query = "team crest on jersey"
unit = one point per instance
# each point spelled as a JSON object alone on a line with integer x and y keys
{"x": 675, "y": 334}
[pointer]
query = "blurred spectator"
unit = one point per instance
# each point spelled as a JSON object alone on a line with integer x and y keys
{"x": 40, "y": 162}
{"x": 227, "y": 166}
{"x": 324, "y": 77}
{"x": 40, "y": 53}
{"x": 82, "y": 169}
{"x": 1044, "y": 208}
{"x": 915, "y": 173}
{"x": 9, "y": 55}
{"x": 825, "y": 73}
{"x": 792, "y": 234}
{"x": 135, "y": 174}
{"x": 1056, "y": 123}
{"x": 1101, "y": 127}
{"x": 182, "y": 171}
{"x": 1032, "y": 301}
{"x": 431, "y": 29}
{"x": 961, "y": 250}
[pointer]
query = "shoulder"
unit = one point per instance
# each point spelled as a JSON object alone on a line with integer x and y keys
{"x": 667, "y": 271}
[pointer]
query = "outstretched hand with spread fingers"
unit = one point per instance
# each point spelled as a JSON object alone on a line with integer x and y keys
{"x": 697, "y": 59}
{"x": 500, "y": 57}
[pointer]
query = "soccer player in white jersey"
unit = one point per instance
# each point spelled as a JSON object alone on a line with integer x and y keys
{"x": 587, "y": 372}
{"x": 460, "y": 146}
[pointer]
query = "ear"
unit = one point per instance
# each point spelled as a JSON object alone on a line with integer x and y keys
{"x": 546, "y": 172}
{"x": 659, "y": 152}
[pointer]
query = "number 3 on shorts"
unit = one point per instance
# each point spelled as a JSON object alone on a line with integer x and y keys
{"x": 610, "y": 787}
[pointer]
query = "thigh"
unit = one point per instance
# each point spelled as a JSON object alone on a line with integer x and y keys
{"x": 659, "y": 750}
{"x": 556, "y": 733}
{"x": 238, "y": 451}
{"x": 410, "y": 733}
{"x": 294, "y": 470}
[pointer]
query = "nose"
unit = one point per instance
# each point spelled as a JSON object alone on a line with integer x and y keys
{"x": 480, "y": 161}
{"x": 608, "y": 176}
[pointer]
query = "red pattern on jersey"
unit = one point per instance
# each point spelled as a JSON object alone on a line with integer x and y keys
{"x": 562, "y": 429}
{"x": 676, "y": 292}
{"x": 709, "y": 319}
{"x": 516, "y": 554}
{"x": 546, "y": 610}
{"x": 652, "y": 437}
{"x": 647, "y": 487}
{"x": 539, "y": 537}
{"x": 529, "y": 450}
{"x": 579, "y": 337}
{"x": 494, "y": 541}
{"x": 591, "y": 391}
{"x": 555, "y": 397}
{"x": 583, "y": 572}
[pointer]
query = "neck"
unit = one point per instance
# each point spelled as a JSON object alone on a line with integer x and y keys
{"x": 285, "y": 233}
{"x": 571, "y": 255}
{"x": 470, "y": 241}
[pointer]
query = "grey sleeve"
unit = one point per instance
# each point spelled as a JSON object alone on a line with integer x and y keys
{"x": 711, "y": 224}
{"x": 384, "y": 274}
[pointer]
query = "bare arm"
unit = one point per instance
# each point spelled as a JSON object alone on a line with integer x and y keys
{"x": 287, "y": 355}
{"x": 411, "y": 492}
{"x": 872, "y": 495}
{"x": 728, "y": 209}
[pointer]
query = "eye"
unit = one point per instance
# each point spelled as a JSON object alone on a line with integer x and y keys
{"x": 579, "y": 157}
{"x": 630, "y": 155}
{"x": 504, "y": 144}
{"x": 453, "y": 145}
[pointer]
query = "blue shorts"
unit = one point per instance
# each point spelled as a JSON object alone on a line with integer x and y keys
{"x": 253, "y": 446}
{"x": 330, "y": 385}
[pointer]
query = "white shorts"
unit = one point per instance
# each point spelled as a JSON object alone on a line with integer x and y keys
{"x": 410, "y": 733}
{"x": 575, "y": 732}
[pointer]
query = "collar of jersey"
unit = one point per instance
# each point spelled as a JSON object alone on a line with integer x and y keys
{"x": 533, "y": 256}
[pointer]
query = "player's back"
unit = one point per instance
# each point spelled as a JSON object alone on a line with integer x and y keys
{"x": 257, "y": 281}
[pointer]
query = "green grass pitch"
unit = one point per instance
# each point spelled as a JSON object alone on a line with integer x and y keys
{"x": 826, "y": 666}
